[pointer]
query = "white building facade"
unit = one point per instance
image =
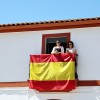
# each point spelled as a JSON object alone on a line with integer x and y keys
{"x": 19, "y": 41}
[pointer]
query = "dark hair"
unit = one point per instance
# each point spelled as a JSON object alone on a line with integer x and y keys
{"x": 57, "y": 41}
{"x": 71, "y": 43}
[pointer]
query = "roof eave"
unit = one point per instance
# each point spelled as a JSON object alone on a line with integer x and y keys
{"x": 64, "y": 24}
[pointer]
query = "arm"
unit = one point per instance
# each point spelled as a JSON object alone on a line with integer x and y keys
{"x": 75, "y": 51}
{"x": 67, "y": 50}
{"x": 53, "y": 50}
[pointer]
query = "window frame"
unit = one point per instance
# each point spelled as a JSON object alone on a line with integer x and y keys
{"x": 55, "y": 35}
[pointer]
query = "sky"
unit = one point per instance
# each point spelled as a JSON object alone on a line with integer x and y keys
{"x": 21, "y": 11}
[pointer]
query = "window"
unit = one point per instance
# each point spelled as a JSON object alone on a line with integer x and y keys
{"x": 48, "y": 41}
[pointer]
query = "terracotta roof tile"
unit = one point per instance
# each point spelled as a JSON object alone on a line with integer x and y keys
{"x": 48, "y": 22}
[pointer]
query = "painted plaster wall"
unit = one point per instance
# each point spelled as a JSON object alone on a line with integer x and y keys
{"x": 15, "y": 48}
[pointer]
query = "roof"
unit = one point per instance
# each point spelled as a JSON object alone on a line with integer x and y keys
{"x": 48, "y": 25}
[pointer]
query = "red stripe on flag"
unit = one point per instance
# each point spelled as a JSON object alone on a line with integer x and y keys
{"x": 52, "y": 58}
{"x": 62, "y": 85}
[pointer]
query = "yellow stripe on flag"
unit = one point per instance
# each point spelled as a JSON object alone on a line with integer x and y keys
{"x": 52, "y": 71}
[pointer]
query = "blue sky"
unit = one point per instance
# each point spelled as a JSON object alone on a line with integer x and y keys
{"x": 18, "y": 11}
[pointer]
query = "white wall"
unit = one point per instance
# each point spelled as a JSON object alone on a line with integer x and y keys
{"x": 15, "y": 49}
{"x": 87, "y": 43}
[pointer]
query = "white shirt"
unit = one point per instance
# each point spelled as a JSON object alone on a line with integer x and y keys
{"x": 54, "y": 50}
{"x": 72, "y": 50}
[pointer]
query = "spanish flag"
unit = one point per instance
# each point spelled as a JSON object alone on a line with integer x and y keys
{"x": 52, "y": 72}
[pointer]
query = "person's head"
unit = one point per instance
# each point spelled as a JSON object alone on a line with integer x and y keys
{"x": 70, "y": 44}
{"x": 58, "y": 42}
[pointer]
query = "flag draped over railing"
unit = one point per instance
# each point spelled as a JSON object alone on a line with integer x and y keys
{"x": 52, "y": 72}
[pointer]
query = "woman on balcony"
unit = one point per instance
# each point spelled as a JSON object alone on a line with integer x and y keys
{"x": 72, "y": 50}
{"x": 58, "y": 48}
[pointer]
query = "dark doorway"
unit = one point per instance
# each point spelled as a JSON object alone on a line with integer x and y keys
{"x": 51, "y": 42}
